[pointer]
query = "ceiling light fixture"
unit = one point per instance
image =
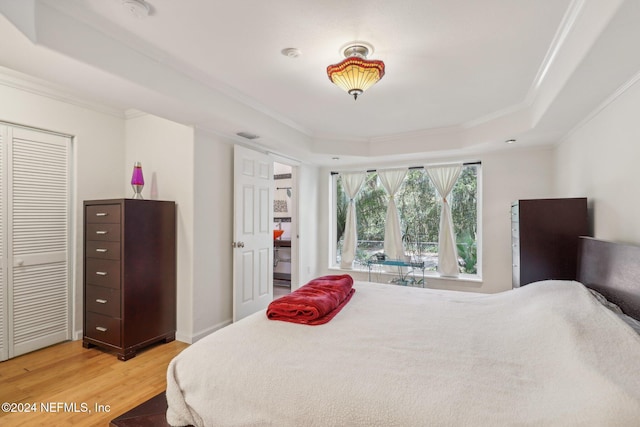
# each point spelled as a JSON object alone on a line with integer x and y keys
{"x": 356, "y": 73}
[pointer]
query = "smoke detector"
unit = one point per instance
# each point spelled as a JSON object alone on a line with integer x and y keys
{"x": 291, "y": 52}
{"x": 138, "y": 8}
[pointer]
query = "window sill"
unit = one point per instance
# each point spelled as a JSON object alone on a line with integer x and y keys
{"x": 428, "y": 275}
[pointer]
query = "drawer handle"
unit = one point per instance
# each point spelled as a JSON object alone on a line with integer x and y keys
{"x": 101, "y": 273}
{"x": 101, "y": 232}
{"x": 101, "y": 214}
{"x": 102, "y": 250}
{"x": 101, "y": 301}
{"x": 101, "y": 328}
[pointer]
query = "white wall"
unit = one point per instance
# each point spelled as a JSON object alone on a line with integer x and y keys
{"x": 507, "y": 175}
{"x": 98, "y": 159}
{"x": 600, "y": 160}
{"x": 310, "y": 216}
{"x": 166, "y": 150}
{"x": 213, "y": 221}
{"x": 212, "y": 291}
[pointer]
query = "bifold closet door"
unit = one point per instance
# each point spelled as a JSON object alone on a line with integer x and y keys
{"x": 37, "y": 224}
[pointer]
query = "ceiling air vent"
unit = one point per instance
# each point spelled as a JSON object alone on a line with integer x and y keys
{"x": 248, "y": 135}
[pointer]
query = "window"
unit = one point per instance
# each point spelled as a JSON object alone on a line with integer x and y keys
{"x": 419, "y": 209}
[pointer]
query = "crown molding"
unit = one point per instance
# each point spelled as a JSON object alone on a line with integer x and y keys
{"x": 132, "y": 113}
{"x": 36, "y": 86}
{"x": 601, "y": 107}
{"x": 566, "y": 26}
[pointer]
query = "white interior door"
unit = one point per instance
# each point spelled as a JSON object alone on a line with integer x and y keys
{"x": 252, "y": 232}
{"x": 295, "y": 218}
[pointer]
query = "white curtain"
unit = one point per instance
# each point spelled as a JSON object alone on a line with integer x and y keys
{"x": 392, "y": 180}
{"x": 351, "y": 182}
{"x": 444, "y": 178}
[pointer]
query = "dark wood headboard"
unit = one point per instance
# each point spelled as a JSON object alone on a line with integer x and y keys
{"x": 613, "y": 269}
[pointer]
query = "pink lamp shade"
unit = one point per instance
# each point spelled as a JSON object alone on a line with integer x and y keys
{"x": 137, "y": 180}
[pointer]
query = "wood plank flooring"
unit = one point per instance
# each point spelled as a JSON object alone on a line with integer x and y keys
{"x": 74, "y": 386}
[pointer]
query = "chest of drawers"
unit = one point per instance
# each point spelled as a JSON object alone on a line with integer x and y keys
{"x": 129, "y": 274}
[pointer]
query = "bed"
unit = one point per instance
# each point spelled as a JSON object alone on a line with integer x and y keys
{"x": 548, "y": 353}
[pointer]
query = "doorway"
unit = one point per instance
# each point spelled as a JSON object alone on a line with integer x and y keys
{"x": 285, "y": 226}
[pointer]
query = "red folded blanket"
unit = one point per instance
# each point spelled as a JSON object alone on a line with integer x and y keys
{"x": 315, "y": 303}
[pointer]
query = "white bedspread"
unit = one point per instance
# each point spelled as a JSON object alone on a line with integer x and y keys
{"x": 546, "y": 354}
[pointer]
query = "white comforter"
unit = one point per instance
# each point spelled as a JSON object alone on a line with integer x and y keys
{"x": 546, "y": 354}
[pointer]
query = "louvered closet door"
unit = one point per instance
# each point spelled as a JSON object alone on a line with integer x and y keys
{"x": 4, "y": 308}
{"x": 38, "y": 286}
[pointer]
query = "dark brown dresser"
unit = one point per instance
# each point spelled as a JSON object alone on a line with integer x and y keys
{"x": 129, "y": 274}
{"x": 544, "y": 237}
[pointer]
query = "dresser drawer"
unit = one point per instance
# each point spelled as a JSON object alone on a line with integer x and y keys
{"x": 102, "y": 272}
{"x": 102, "y": 301}
{"x": 102, "y": 250}
{"x": 102, "y": 214}
{"x": 103, "y": 232}
{"x": 102, "y": 328}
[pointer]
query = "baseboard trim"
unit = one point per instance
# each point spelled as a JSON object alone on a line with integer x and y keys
{"x": 190, "y": 339}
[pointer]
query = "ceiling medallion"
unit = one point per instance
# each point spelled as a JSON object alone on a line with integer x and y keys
{"x": 356, "y": 73}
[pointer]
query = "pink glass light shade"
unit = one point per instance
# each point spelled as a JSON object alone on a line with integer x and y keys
{"x": 137, "y": 180}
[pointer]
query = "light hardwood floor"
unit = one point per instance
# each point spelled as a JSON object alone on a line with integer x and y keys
{"x": 69, "y": 375}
